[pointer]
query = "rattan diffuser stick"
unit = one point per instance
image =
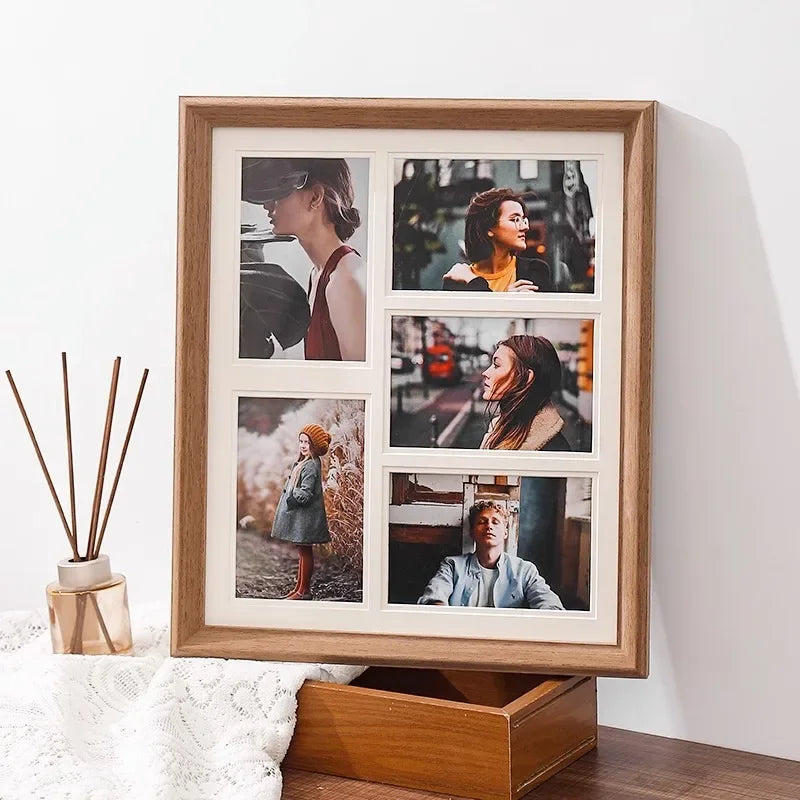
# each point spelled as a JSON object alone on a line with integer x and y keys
{"x": 72, "y": 540}
{"x": 96, "y": 552}
{"x": 101, "y": 469}
{"x": 88, "y": 599}
{"x": 70, "y": 466}
{"x": 94, "y": 541}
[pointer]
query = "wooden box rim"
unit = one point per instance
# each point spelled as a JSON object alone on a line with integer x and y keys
{"x": 544, "y": 692}
{"x": 526, "y": 740}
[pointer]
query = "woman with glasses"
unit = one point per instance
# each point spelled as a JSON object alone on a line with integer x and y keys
{"x": 312, "y": 199}
{"x": 494, "y": 237}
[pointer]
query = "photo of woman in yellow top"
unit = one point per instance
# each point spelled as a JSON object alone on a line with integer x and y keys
{"x": 494, "y": 235}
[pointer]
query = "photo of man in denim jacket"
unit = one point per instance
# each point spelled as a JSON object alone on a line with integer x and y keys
{"x": 489, "y": 577}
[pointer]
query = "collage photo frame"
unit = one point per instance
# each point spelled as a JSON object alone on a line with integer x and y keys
{"x": 413, "y": 382}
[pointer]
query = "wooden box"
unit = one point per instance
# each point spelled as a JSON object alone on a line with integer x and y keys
{"x": 483, "y": 735}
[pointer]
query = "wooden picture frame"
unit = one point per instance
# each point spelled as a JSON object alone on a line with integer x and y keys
{"x": 627, "y": 339}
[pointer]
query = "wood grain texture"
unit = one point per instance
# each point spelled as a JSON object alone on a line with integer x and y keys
{"x": 414, "y": 113}
{"x": 636, "y": 401}
{"x": 304, "y": 785}
{"x": 388, "y": 650}
{"x": 386, "y": 734}
{"x": 625, "y": 766}
{"x": 191, "y": 377}
{"x": 507, "y": 690}
{"x": 190, "y": 636}
{"x": 447, "y": 731}
{"x": 553, "y": 732}
{"x": 424, "y": 534}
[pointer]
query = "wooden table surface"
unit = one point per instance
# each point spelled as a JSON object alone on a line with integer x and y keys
{"x": 625, "y": 766}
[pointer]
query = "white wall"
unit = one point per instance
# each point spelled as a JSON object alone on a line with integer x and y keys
{"x": 88, "y": 146}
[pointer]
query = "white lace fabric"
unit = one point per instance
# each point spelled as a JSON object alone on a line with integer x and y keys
{"x": 142, "y": 726}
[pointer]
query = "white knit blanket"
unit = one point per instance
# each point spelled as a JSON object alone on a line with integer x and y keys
{"x": 142, "y": 726}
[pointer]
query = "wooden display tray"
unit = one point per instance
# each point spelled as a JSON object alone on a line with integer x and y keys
{"x": 484, "y": 735}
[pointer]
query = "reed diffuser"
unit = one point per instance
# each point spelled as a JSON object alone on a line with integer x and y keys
{"x": 88, "y": 605}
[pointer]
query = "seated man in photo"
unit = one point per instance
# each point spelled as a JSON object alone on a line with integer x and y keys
{"x": 489, "y": 577}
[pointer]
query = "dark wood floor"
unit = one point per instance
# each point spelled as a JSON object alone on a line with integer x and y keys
{"x": 625, "y": 766}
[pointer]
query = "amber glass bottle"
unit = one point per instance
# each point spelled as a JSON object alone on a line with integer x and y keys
{"x": 88, "y": 608}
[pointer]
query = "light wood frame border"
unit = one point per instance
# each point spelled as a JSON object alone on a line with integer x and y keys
{"x": 190, "y": 636}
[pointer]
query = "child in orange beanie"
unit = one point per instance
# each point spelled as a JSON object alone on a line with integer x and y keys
{"x": 300, "y": 516}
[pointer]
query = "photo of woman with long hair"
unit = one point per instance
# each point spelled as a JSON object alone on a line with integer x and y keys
{"x": 492, "y": 383}
{"x": 300, "y": 517}
{"x": 313, "y": 200}
{"x": 494, "y": 237}
{"x": 519, "y": 384}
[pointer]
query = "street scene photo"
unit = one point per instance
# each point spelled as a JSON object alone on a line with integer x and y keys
{"x": 300, "y": 499}
{"x": 494, "y": 225}
{"x": 492, "y": 383}
{"x": 490, "y": 541}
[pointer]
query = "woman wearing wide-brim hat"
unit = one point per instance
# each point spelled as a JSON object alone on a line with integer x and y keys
{"x": 312, "y": 199}
{"x": 300, "y": 516}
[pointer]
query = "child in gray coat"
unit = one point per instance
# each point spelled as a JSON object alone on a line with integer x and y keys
{"x": 300, "y": 516}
